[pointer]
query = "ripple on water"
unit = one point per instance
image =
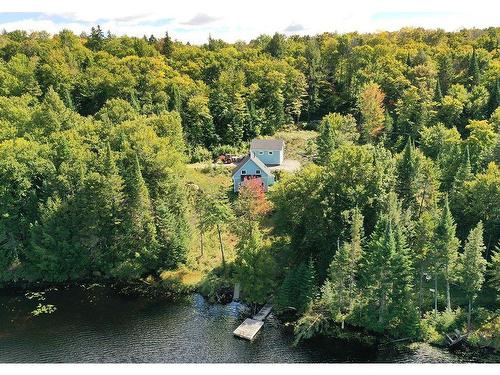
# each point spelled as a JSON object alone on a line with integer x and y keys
{"x": 111, "y": 328}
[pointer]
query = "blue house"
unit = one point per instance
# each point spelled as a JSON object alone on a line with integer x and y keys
{"x": 264, "y": 153}
{"x": 269, "y": 151}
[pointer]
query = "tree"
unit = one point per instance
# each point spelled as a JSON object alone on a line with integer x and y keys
{"x": 140, "y": 231}
{"x": 438, "y": 94}
{"x": 445, "y": 251}
{"x": 473, "y": 266}
{"x": 334, "y": 131}
{"x": 402, "y": 309}
{"x": 340, "y": 289}
{"x": 167, "y": 46}
{"x": 494, "y": 270}
{"x": 370, "y": 103}
{"x": 407, "y": 174}
{"x": 96, "y": 38}
{"x": 474, "y": 74}
{"x": 276, "y": 46}
{"x": 254, "y": 267}
{"x": 216, "y": 214}
{"x": 376, "y": 270}
{"x": 314, "y": 75}
{"x": 252, "y": 203}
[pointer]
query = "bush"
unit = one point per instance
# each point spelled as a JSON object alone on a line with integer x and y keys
{"x": 435, "y": 328}
{"x": 200, "y": 154}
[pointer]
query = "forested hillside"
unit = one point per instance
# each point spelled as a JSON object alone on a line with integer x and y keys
{"x": 403, "y": 195}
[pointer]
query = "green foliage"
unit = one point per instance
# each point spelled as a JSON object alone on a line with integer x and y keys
{"x": 494, "y": 269}
{"x": 298, "y": 288}
{"x": 334, "y": 131}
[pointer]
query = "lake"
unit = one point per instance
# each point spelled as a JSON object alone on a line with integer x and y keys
{"x": 93, "y": 324}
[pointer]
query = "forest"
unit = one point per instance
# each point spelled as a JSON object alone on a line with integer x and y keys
{"x": 391, "y": 226}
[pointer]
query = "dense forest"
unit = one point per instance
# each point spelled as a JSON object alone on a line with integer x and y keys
{"x": 390, "y": 228}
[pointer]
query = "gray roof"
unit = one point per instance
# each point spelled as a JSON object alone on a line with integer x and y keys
{"x": 267, "y": 144}
{"x": 256, "y": 160}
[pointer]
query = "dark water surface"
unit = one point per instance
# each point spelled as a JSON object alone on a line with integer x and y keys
{"x": 91, "y": 324}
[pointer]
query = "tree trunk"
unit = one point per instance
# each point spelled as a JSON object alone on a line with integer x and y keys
{"x": 421, "y": 290}
{"x": 201, "y": 244}
{"x": 221, "y": 247}
{"x": 435, "y": 294}
{"x": 469, "y": 315}
{"x": 448, "y": 297}
{"x": 382, "y": 307}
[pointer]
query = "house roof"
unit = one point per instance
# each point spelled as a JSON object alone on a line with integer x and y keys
{"x": 256, "y": 160}
{"x": 267, "y": 144}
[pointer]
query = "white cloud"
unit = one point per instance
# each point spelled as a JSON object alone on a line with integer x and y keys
{"x": 193, "y": 20}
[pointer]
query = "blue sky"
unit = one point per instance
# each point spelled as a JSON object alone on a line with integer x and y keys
{"x": 193, "y": 20}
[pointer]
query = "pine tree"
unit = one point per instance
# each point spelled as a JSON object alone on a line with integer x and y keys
{"x": 494, "y": 270}
{"x": 473, "y": 266}
{"x": 140, "y": 230}
{"x": 407, "y": 174}
{"x": 438, "y": 94}
{"x": 96, "y": 38}
{"x": 446, "y": 72}
{"x": 474, "y": 74}
{"x": 325, "y": 142}
{"x": 458, "y": 200}
{"x": 445, "y": 251}
{"x": 336, "y": 290}
{"x": 113, "y": 201}
{"x": 167, "y": 46}
{"x": 494, "y": 101}
{"x": 403, "y": 312}
{"x": 376, "y": 272}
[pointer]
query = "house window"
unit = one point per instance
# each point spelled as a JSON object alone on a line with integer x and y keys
{"x": 270, "y": 152}
{"x": 243, "y": 171}
{"x": 261, "y": 152}
{"x": 257, "y": 171}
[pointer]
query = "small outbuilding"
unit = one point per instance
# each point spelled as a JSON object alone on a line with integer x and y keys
{"x": 269, "y": 151}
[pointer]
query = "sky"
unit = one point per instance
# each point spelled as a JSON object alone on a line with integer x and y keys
{"x": 193, "y": 20}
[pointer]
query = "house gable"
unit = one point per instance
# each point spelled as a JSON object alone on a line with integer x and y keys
{"x": 249, "y": 166}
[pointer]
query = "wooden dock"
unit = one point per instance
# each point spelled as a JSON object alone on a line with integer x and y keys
{"x": 251, "y": 326}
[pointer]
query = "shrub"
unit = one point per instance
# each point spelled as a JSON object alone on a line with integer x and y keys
{"x": 200, "y": 154}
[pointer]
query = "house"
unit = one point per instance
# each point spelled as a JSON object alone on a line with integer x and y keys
{"x": 263, "y": 153}
{"x": 250, "y": 168}
{"x": 269, "y": 151}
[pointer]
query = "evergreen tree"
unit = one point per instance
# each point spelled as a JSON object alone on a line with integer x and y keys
{"x": 376, "y": 272}
{"x": 458, "y": 200}
{"x": 325, "y": 142}
{"x": 112, "y": 199}
{"x": 474, "y": 74}
{"x": 446, "y": 72}
{"x": 96, "y": 39}
{"x": 407, "y": 169}
{"x": 167, "y": 46}
{"x": 276, "y": 46}
{"x": 140, "y": 231}
{"x": 313, "y": 56}
{"x": 254, "y": 267}
{"x": 494, "y": 101}
{"x": 438, "y": 94}
{"x": 473, "y": 266}
{"x": 445, "y": 251}
{"x": 403, "y": 312}
{"x": 494, "y": 270}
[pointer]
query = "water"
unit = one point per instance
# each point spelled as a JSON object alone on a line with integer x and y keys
{"x": 95, "y": 325}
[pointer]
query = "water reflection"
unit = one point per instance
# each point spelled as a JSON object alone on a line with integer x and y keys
{"x": 94, "y": 325}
